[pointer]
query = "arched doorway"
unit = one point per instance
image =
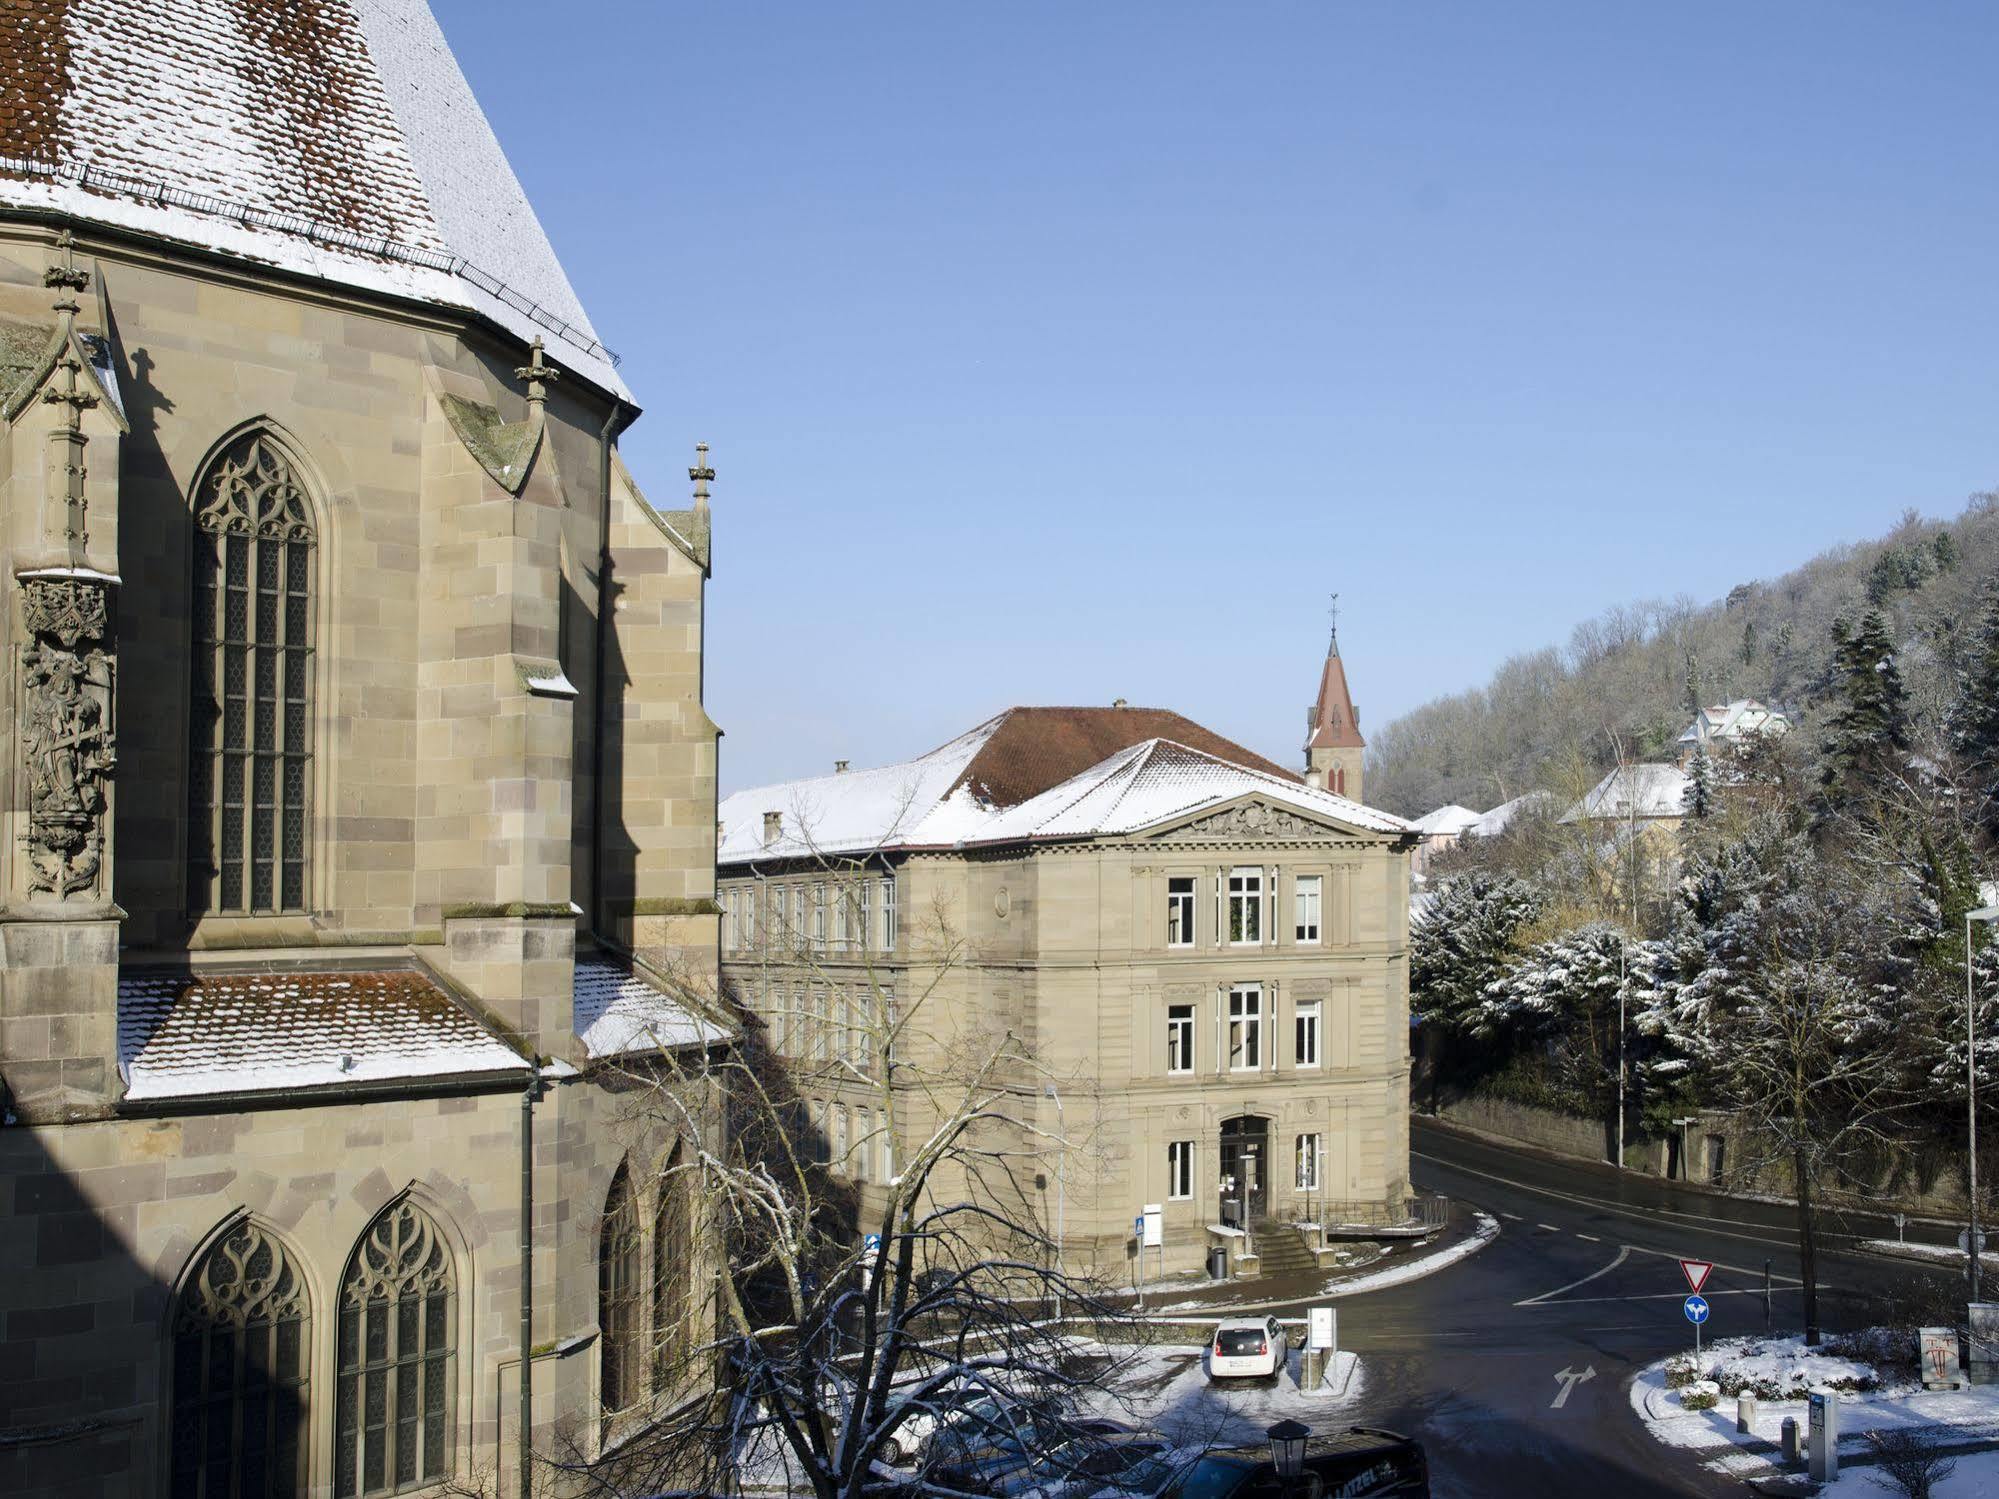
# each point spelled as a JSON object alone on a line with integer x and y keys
{"x": 1245, "y": 1157}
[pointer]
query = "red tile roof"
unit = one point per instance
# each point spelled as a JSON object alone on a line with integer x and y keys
{"x": 1036, "y": 748}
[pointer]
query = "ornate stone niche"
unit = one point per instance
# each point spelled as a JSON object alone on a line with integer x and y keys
{"x": 68, "y": 738}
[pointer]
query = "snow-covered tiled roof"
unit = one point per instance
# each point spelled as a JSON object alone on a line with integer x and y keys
{"x": 944, "y": 797}
{"x": 1156, "y": 782}
{"x": 618, "y": 1011}
{"x": 182, "y": 1037}
{"x": 1634, "y": 791}
{"x": 928, "y": 803}
{"x": 1501, "y": 817}
{"x": 1446, "y": 821}
{"x": 333, "y": 138}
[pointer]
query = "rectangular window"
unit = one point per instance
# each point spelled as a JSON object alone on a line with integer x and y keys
{"x": 1308, "y": 1163}
{"x": 797, "y": 932}
{"x": 850, "y": 1027}
{"x": 841, "y": 925}
{"x": 822, "y": 1026}
{"x": 1246, "y": 907}
{"x": 1179, "y": 1038}
{"x": 1180, "y": 1169}
{"x": 1245, "y": 1028}
{"x": 888, "y": 915}
{"x": 1306, "y": 1030}
{"x": 884, "y": 1148}
{"x": 728, "y": 921}
{"x": 1180, "y": 911}
{"x": 1308, "y": 888}
{"x": 819, "y": 918}
{"x": 752, "y": 898}
{"x": 888, "y": 1021}
{"x": 867, "y": 920}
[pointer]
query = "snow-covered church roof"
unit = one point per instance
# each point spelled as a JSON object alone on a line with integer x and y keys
{"x": 1026, "y": 774}
{"x": 332, "y": 138}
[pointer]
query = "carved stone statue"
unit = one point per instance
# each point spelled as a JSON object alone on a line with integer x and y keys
{"x": 66, "y": 735}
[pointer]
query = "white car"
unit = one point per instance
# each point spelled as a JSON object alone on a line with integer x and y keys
{"x": 1248, "y": 1348}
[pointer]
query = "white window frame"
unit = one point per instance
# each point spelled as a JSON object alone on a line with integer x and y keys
{"x": 753, "y": 900}
{"x": 1245, "y": 1027}
{"x": 1245, "y": 884}
{"x": 1180, "y": 1037}
{"x": 1307, "y": 1026}
{"x": 862, "y": 1144}
{"x": 822, "y": 1025}
{"x": 1308, "y": 1162}
{"x": 1179, "y": 1170}
{"x": 1180, "y": 909}
{"x": 1308, "y": 899}
{"x": 819, "y": 916}
{"x": 888, "y": 914}
{"x": 797, "y": 931}
{"x": 865, "y": 901}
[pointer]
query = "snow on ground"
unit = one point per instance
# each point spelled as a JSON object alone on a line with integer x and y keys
{"x": 1949, "y": 1416}
{"x": 1948, "y": 1254}
{"x": 1485, "y": 1228}
{"x": 1166, "y": 1387}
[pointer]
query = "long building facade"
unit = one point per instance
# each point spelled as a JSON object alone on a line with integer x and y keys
{"x": 359, "y": 797}
{"x": 1204, "y": 958}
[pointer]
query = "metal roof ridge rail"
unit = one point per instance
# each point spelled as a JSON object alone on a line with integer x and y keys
{"x": 319, "y": 232}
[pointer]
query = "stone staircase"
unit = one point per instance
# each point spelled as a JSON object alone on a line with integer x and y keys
{"x": 1280, "y": 1249}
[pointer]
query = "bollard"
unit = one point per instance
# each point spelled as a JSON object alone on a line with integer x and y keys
{"x": 1745, "y": 1412}
{"x": 1822, "y": 1441}
{"x": 1790, "y": 1439}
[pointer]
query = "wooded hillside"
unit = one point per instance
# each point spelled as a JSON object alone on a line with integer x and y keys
{"x": 1627, "y": 681}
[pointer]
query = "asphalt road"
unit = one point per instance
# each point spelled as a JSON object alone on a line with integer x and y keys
{"x": 1582, "y": 1280}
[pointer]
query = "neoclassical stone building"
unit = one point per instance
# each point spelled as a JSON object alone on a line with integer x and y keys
{"x": 1206, "y": 955}
{"x": 358, "y": 786}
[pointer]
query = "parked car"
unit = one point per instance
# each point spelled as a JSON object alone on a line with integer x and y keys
{"x": 1083, "y": 1465}
{"x": 982, "y": 1454}
{"x": 1361, "y": 1461}
{"x": 1248, "y": 1348}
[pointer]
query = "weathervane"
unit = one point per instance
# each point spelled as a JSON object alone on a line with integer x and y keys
{"x": 1334, "y": 611}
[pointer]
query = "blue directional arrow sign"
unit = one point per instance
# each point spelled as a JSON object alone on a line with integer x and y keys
{"x": 1696, "y": 1309}
{"x": 871, "y": 1242}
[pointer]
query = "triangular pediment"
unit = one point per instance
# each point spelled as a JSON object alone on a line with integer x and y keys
{"x": 1255, "y": 819}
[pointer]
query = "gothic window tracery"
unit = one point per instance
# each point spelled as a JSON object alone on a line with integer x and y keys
{"x": 392, "y": 1418}
{"x": 672, "y": 1275}
{"x": 619, "y": 1306}
{"x": 240, "y": 1357}
{"x": 250, "y": 758}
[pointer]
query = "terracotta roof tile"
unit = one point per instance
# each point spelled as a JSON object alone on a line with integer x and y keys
{"x": 1036, "y": 748}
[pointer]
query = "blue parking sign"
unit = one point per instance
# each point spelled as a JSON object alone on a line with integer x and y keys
{"x": 1696, "y": 1309}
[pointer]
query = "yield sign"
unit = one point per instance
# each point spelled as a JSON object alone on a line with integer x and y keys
{"x": 1696, "y": 1272}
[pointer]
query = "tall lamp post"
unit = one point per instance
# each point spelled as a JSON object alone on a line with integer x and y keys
{"x": 1971, "y": 1252}
{"x": 1062, "y": 1194}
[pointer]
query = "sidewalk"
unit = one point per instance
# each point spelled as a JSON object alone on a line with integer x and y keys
{"x": 1199, "y": 1300}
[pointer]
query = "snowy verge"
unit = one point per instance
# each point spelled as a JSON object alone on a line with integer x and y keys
{"x": 1485, "y": 1228}
{"x": 1943, "y": 1254}
{"x": 1951, "y": 1418}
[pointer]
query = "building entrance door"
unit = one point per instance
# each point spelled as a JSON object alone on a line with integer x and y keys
{"x": 1245, "y": 1168}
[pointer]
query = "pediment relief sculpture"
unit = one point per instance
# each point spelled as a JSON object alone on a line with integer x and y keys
{"x": 1252, "y": 822}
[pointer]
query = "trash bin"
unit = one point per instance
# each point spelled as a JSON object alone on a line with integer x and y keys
{"x": 1218, "y": 1262}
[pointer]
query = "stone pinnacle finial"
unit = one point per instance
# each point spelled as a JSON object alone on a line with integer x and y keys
{"x": 702, "y": 475}
{"x": 538, "y": 373}
{"x": 67, "y": 276}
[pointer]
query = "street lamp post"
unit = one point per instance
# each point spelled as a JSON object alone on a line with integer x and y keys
{"x": 1971, "y": 1255}
{"x": 1061, "y": 1196}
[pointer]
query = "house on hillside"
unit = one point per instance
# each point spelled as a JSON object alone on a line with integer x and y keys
{"x": 1531, "y": 805}
{"x": 1208, "y": 955}
{"x": 1438, "y": 830}
{"x": 1727, "y": 726}
{"x": 353, "y": 809}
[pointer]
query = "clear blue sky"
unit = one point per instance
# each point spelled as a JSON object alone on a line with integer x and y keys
{"x": 1064, "y": 352}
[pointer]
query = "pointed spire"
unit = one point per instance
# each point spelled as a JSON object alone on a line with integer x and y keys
{"x": 539, "y": 375}
{"x": 702, "y": 475}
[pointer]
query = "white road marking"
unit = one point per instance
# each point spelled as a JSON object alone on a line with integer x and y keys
{"x": 1597, "y": 1205}
{"x": 1547, "y": 1228}
{"x": 1732, "y": 1269}
{"x": 1623, "y": 1254}
{"x": 1514, "y": 1216}
{"x": 1589, "y": 1238}
{"x": 1570, "y": 1379}
{"x": 1672, "y": 1296}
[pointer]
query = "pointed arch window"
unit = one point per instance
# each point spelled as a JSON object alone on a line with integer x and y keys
{"x": 619, "y": 1303}
{"x": 392, "y": 1417}
{"x": 250, "y": 724}
{"x": 240, "y": 1340}
{"x": 672, "y": 1275}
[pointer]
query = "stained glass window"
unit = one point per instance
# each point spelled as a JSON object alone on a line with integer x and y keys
{"x": 392, "y": 1419}
{"x": 240, "y": 1350}
{"x": 250, "y": 750}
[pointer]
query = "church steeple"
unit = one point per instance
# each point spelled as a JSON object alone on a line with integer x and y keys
{"x": 1334, "y": 748}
